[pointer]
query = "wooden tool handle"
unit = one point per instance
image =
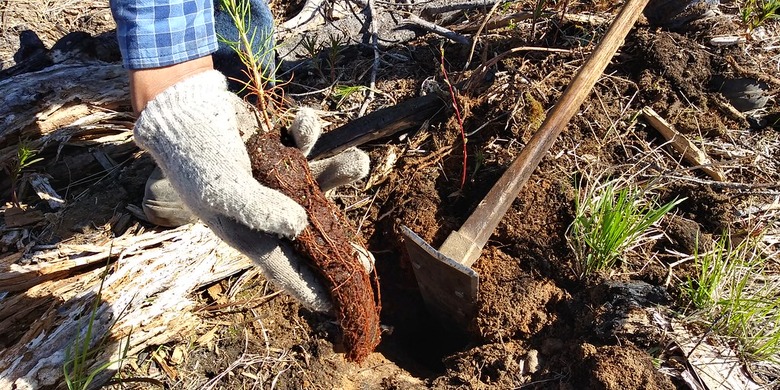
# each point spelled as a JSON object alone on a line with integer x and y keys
{"x": 480, "y": 225}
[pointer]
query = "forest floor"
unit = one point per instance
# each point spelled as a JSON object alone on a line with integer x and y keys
{"x": 541, "y": 323}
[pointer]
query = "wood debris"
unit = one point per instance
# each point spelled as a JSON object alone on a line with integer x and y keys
{"x": 146, "y": 299}
{"x": 683, "y": 145}
{"x": 714, "y": 364}
{"x": 22, "y": 215}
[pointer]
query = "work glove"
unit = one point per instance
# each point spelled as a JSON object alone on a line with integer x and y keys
{"x": 193, "y": 131}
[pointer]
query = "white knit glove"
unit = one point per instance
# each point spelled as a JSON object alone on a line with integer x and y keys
{"x": 344, "y": 168}
{"x": 192, "y": 131}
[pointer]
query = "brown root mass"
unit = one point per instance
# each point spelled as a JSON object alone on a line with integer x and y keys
{"x": 325, "y": 242}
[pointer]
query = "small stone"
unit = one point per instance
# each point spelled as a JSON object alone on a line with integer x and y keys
{"x": 531, "y": 362}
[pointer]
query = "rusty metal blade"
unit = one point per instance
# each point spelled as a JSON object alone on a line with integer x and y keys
{"x": 448, "y": 287}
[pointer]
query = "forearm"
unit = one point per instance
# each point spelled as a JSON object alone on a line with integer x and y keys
{"x": 163, "y": 42}
{"x": 146, "y": 84}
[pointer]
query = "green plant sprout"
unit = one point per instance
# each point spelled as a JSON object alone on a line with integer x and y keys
{"x": 309, "y": 43}
{"x": 334, "y": 54}
{"x": 479, "y": 161}
{"x": 260, "y": 84}
{"x": 343, "y": 92}
{"x": 507, "y": 6}
{"x": 609, "y": 222}
{"x": 77, "y": 371}
{"x": 25, "y": 157}
{"x": 733, "y": 292}
{"x": 312, "y": 47}
{"x": 755, "y": 13}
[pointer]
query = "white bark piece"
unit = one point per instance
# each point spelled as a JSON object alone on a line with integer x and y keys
{"x": 313, "y": 12}
{"x": 40, "y": 183}
{"x": 146, "y": 299}
{"x": 715, "y": 364}
{"x": 683, "y": 145}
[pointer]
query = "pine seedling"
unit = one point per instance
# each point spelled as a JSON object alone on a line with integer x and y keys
{"x": 309, "y": 43}
{"x": 25, "y": 157}
{"x": 334, "y": 54}
{"x": 312, "y": 47}
{"x": 261, "y": 84}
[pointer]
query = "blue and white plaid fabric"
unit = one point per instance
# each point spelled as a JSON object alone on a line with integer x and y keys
{"x": 155, "y": 33}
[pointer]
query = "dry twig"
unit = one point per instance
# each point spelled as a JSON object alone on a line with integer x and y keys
{"x": 375, "y": 66}
{"x": 476, "y": 36}
{"x": 682, "y": 144}
{"x": 414, "y": 20}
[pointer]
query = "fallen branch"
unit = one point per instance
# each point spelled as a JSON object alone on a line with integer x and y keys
{"x": 506, "y": 20}
{"x": 476, "y": 36}
{"x": 38, "y": 103}
{"x": 378, "y": 124}
{"x": 375, "y": 65}
{"x": 683, "y": 145}
{"x": 308, "y": 14}
{"x": 413, "y": 20}
{"x": 518, "y": 49}
{"x": 444, "y": 7}
{"x": 475, "y": 78}
{"x": 146, "y": 299}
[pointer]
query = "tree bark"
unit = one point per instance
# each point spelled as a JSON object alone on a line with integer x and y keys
{"x": 44, "y": 321}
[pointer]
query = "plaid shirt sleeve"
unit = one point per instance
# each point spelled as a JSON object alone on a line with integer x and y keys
{"x": 155, "y": 33}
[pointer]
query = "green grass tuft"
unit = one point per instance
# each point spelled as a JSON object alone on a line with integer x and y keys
{"x": 755, "y": 13}
{"x": 733, "y": 291}
{"x": 609, "y": 222}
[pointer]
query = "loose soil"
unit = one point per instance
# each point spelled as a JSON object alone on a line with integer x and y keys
{"x": 540, "y": 324}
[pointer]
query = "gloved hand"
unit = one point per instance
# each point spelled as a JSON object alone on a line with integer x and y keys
{"x": 192, "y": 130}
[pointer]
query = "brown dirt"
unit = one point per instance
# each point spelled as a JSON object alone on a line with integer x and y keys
{"x": 613, "y": 367}
{"x": 515, "y": 304}
{"x": 539, "y": 324}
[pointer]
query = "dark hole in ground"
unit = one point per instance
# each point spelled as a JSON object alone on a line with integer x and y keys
{"x": 417, "y": 342}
